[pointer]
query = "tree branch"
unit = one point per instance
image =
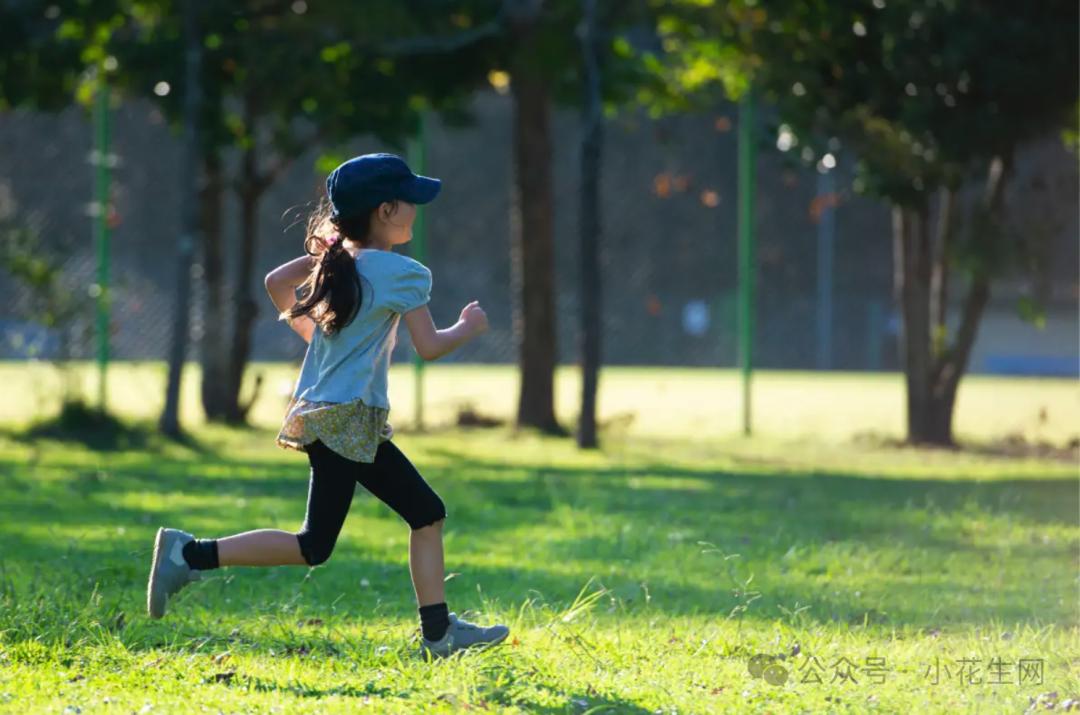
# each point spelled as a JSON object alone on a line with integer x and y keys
{"x": 939, "y": 281}
{"x": 432, "y": 45}
{"x": 952, "y": 363}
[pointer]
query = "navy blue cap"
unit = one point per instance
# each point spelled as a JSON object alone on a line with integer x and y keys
{"x": 363, "y": 182}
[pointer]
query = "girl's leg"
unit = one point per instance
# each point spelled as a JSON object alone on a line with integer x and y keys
{"x": 330, "y": 493}
{"x": 179, "y": 558}
{"x": 426, "y": 564}
{"x": 396, "y": 482}
{"x": 264, "y": 547}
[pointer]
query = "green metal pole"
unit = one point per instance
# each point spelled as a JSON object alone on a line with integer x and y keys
{"x": 417, "y": 160}
{"x": 101, "y": 235}
{"x": 746, "y": 254}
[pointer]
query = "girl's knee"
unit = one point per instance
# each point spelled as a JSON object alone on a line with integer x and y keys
{"x": 315, "y": 551}
{"x": 431, "y": 526}
{"x": 430, "y": 513}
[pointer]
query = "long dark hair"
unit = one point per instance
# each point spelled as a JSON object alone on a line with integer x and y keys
{"x": 331, "y": 295}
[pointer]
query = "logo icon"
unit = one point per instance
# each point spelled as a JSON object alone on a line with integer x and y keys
{"x": 768, "y": 668}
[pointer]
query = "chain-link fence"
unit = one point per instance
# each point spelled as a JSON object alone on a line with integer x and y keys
{"x": 668, "y": 244}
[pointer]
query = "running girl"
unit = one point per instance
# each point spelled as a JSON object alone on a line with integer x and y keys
{"x": 353, "y": 290}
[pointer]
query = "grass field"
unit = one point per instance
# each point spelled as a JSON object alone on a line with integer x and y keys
{"x": 652, "y": 575}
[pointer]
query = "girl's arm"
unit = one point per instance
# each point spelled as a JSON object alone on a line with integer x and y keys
{"x": 432, "y": 344}
{"x": 281, "y": 285}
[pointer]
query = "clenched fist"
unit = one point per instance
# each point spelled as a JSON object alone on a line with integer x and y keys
{"x": 474, "y": 318}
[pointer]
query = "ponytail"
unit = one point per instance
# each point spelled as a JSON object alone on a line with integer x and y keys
{"x": 331, "y": 295}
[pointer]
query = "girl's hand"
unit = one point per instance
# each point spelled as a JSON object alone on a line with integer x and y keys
{"x": 474, "y": 318}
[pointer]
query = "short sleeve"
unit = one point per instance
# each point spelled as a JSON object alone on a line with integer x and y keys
{"x": 411, "y": 288}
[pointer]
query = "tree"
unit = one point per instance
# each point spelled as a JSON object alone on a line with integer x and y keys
{"x": 929, "y": 96}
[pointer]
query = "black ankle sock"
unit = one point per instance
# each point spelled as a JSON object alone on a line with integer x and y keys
{"x": 434, "y": 620}
{"x": 201, "y": 554}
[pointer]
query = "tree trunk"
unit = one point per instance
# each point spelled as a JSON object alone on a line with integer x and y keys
{"x": 911, "y": 282}
{"x": 214, "y": 344}
{"x": 170, "y": 416}
{"x": 590, "y": 233}
{"x": 245, "y": 310}
{"x": 532, "y": 250}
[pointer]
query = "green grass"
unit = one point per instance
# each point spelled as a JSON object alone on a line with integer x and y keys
{"x": 638, "y": 578}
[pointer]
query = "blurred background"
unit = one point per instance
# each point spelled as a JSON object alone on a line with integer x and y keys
{"x": 909, "y": 204}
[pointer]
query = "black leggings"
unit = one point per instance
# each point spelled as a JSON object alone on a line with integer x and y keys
{"x": 391, "y": 477}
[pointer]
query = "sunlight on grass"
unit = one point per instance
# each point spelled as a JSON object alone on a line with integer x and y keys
{"x": 688, "y": 403}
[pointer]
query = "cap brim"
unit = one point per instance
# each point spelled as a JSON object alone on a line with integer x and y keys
{"x": 422, "y": 189}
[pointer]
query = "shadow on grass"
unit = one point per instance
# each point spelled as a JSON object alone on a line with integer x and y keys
{"x": 762, "y": 516}
{"x": 1013, "y": 446}
{"x": 1040, "y": 500}
{"x": 576, "y": 703}
{"x": 80, "y": 424}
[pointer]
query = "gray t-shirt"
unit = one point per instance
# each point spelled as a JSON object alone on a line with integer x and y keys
{"x": 354, "y": 363}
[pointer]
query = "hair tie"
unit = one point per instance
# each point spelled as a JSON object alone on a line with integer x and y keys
{"x": 332, "y": 241}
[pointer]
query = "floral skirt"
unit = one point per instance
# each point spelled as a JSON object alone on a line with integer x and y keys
{"x": 352, "y": 429}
